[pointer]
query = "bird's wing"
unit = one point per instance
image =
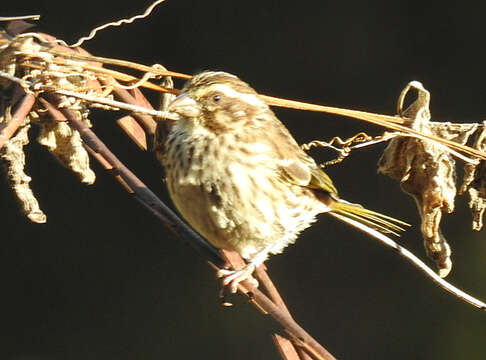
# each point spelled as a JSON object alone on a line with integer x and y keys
{"x": 298, "y": 168}
{"x": 303, "y": 171}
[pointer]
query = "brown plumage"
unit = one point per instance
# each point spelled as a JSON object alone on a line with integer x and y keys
{"x": 237, "y": 175}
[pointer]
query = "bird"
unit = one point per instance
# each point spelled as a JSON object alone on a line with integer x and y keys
{"x": 238, "y": 177}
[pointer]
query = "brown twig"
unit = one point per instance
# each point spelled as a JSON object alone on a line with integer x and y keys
{"x": 137, "y": 98}
{"x": 297, "y": 333}
{"x": 262, "y": 276}
{"x": 140, "y": 191}
{"x": 298, "y": 336}
{"x": 285, "y": 347}
{"x": 145, "y": 121}
{"x": 121, "y": 63}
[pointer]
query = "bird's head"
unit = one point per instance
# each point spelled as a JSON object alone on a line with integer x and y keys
{"x": 218, "y": 101}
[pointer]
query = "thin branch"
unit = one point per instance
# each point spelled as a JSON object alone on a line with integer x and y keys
{"x": 24, "y": 17}
{"x": 118, "y": 62}
{"x": 296, "y": 332}
{"x": 144, "y": 119}
{"x": 119, "y": 105}
{"x": 285, "y": 347}
{"x": 14, "y": 79}
{"x": 303, "y": 352}
{"x": 270, "y": 288}
{"x": 140, "y": 191}
{"x": 416, "y": 262}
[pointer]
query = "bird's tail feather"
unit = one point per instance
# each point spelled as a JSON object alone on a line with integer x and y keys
{"x": 382, "y": 223}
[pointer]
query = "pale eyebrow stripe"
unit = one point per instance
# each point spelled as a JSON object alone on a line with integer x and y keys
{"x": 251, "y": 99}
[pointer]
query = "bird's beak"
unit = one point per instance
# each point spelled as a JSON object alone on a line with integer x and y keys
{"x": 185, "y": 106}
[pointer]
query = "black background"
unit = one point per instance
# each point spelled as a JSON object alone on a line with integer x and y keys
{"x": 103, "y": 280}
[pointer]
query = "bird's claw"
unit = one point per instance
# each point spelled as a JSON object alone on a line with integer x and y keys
{"x": 231, "y": 278}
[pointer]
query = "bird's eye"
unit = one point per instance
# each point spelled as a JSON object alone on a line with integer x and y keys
{"x": 216, "y": 97}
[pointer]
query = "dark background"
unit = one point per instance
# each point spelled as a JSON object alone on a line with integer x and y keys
{"x": 103, "y": 280}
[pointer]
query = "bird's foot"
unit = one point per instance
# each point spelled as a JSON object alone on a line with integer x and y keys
{"x": 231, "y": 278}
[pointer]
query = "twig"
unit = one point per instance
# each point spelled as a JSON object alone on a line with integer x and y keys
{"x": 118, "y": 62}
{"x": 144, "y": 119}
{"x": 119, "y": 105}
{"x": 270, "y": 288}
{"x": 24, "y": 17}
{"x": 14, "y": 79}
{"x": 417, "y": 263}
{"x": 296, "y": 332}
{"x": 140, "y": 191}
{"x": 301, "y": 340}
{"x": 285, "y": 347}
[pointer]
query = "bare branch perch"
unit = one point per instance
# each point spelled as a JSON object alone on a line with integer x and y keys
{"x": 163, "y": 213}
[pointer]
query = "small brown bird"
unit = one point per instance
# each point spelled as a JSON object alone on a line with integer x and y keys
{"x": 240, "y": 179}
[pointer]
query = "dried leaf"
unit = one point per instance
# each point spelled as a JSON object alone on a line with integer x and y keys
{"x": 66, "y": 145}
{"x": 474, "y": 182}
{"x": 13, "y": 156}
{"x": 426, "y": 171}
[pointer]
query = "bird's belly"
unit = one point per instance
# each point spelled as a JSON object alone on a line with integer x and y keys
{"x": 245, "y": 214}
